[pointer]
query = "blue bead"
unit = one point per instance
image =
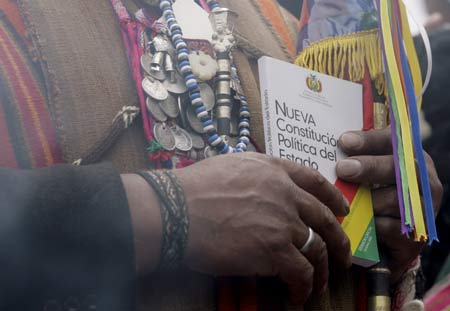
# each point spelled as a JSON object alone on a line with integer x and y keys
{"x": 187, "y": 73}
{"x": 200, "y": 109}
{"x": 205, "y": 118}
{"x": 213, "y": 138}
{"x": 195, "y": 95}
{"x": 189, "y": 77}
{"x": 225, "y": 149}
{"x": 192, "y": 86}
{"x": 182, "y": 50}
{"x": 176, "y": 31}
{"x": 183, "y": 63}
{"x": 207, "y": 123}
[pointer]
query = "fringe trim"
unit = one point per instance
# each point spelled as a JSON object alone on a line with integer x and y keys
{"x": 347, "y": 57}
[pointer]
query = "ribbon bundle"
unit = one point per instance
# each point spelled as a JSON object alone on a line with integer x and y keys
{"x": 403, "y": 84}
{"x": 355, "y": 39}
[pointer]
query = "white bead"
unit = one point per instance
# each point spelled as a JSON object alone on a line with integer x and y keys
{"x": 216, "y": 142}
{"x": 245, "y": 133}
{"x": 208, "y": 128}
{"x": 204, "y": 66}
{"x": 176, "y": 37}
{"x": 182, "y": 56}
{"x": 197, "y": 101}
{"x": 202, "y": 114}
{"x": 191, "y": 81}
{"x": 163, "y": 4}
{"x": 185, "y": 68}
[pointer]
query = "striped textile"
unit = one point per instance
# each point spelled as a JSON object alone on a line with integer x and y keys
{"x": 272, "y": 12}
{"x": 27, "y": 134}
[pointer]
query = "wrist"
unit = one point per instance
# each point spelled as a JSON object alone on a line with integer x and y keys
{"x": 146, "y": 220}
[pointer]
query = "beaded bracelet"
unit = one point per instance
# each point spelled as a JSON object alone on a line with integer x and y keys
{"x": 175, "y": 220}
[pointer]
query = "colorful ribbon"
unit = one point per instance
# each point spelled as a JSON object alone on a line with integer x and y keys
{"x": 404, "y": 82}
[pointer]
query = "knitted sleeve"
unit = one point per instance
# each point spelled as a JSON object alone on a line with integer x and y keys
{"x": 66, "y": 240}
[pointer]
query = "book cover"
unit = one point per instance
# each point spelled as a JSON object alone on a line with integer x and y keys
{"x": 305, "y": 113}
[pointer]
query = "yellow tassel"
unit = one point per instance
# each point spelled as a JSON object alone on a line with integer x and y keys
{"x": 346, "y": 56}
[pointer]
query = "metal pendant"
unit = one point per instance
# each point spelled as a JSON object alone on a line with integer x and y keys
{"x": 161, "y": 44}
{"x": 234, "y": 124}
{"x": 193, "y": 121}
{"x": 178, "y": 86}
{"x": 164, "y": 136}
{"x": 155, "y": 110}
{"x": 236, "y": 82}
{"x": 183, "y": 140}
{"x": 146, "y": 62}
{"x": 197, "y": 141}
{"x": 208, "y": 98}
{"x": 157, "y": 61}
{"x": 170, "y": 107}
{"x": 154, "y": 89}
{"x": 170, "y": 68}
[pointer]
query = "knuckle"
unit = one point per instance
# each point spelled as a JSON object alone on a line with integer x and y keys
{"x": 328, "y": 219}
{"x": 279, "y": 241}
{"x": 318, "y": 178}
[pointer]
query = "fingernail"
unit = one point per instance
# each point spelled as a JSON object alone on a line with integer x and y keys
{"x": 348, "y": 168}
{"x": 346, "y": 205}
{"x": 351, "y": 140}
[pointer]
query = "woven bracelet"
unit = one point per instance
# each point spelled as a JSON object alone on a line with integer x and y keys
{"x": 175, "y": 221}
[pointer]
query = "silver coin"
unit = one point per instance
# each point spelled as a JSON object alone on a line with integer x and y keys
{"x": 193, "y": 155}
{"x": 183, "y": 140}
{"x": 170, "y": 107}
{"x": 164, "y": 136}
{"x": 208, "y": 98}
{"x": 146, "y": 61}
{"x": 178, "y": 87}
{"x": 197, "y": 141}
{"x": 154, "y": 89}
{"x": 193, "y": 121}
{"x": 210, "y": 152}
{"x": 155, "y": 110}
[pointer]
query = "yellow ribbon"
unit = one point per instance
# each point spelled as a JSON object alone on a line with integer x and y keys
{"x": 404, "y": 122}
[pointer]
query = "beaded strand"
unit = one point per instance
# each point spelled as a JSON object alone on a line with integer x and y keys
{"x": 214, "y": 140}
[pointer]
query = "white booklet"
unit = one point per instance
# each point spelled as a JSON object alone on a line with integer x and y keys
{"x": 304, "y": 115}
{"x": 306, "y": 112}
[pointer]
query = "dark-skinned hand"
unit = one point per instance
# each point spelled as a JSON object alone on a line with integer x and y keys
{"x": 371, "y": 162}
{"x": 249, "y": 216}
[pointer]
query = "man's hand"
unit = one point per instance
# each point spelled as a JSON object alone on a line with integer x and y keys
{"x": 249, "y": 216}
{"x": 371, "y": 162}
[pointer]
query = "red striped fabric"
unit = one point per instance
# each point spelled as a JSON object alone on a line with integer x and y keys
{"x": 23, "y": 102}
